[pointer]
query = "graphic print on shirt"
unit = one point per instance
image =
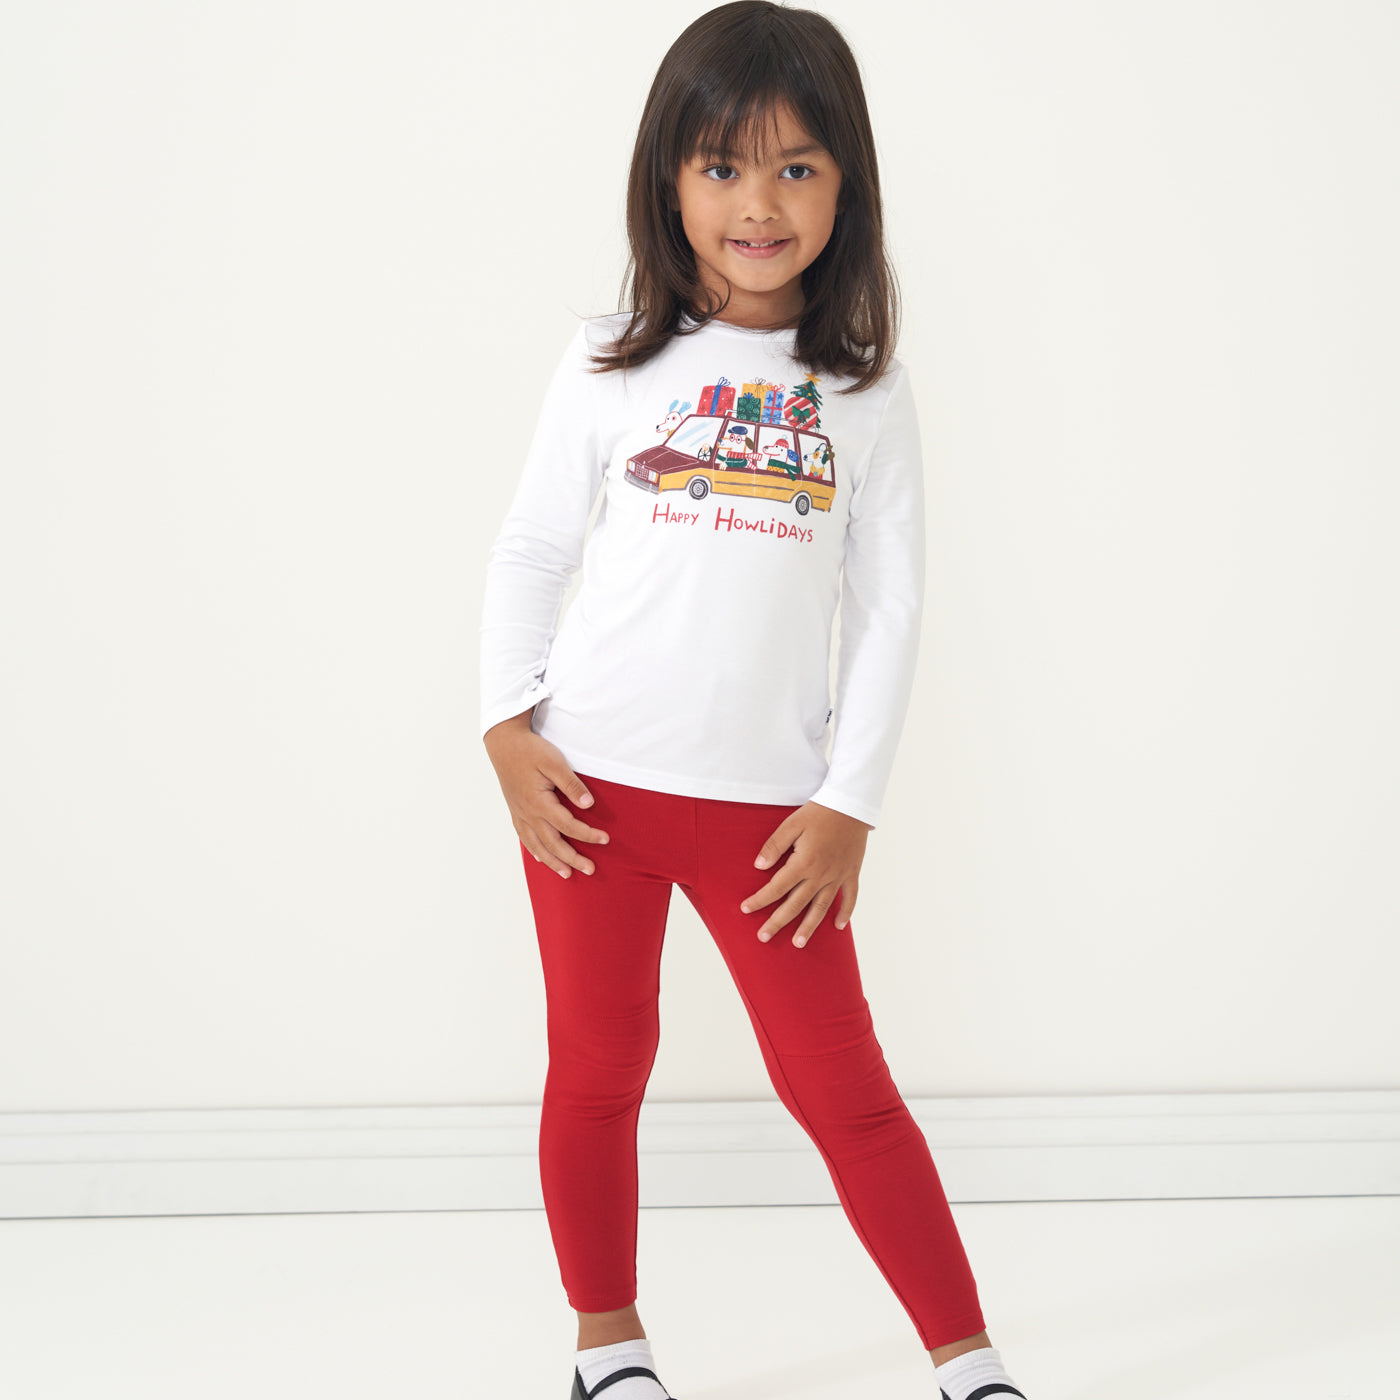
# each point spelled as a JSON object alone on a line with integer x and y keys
{"x": 674, "y": 414}
{"x": 758, "y": 440}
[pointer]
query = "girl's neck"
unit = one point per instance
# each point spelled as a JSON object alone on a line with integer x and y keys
{"x": 749, "y": 320}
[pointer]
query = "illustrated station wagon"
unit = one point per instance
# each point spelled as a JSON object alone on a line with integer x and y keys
{"x": 736, "y": 457}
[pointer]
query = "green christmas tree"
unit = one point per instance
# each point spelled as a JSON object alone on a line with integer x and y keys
{"x": 808, "y": 390}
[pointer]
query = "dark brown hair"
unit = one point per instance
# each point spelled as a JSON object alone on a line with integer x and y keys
{"x": 717, "y": 85}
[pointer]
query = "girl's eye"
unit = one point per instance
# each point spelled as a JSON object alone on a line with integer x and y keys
{"x": 724, "y": 180}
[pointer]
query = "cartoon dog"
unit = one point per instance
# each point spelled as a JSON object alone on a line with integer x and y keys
{"x": 672, "y": 420}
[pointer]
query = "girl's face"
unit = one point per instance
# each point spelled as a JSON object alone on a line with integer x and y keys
{"x": 789, "y": 195}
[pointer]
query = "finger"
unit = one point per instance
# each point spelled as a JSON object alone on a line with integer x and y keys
{"x": 784, "y": 914}
{"x": 848, "y": 904}
{"x": 569, "y": 783}
{"x": 560, "y": 849}
{"x": 531, "y": 842}
{"x": 778, "y": 886}
{"x": 815, "y": 914}
{"x": 772, "y": 849}
{"x": 553, "y": 811}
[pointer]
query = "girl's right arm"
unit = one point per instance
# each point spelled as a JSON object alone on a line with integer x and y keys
{"x": 537, "y": 550}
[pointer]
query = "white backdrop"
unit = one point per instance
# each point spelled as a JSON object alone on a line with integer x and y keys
{"x": 281, "y": 287}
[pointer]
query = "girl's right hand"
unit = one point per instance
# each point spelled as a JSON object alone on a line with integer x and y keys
{"x": 530, "y": 769}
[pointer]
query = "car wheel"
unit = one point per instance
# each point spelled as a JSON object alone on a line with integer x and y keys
{"x": 699, "y": 487}
{"x": 803, "y": 502}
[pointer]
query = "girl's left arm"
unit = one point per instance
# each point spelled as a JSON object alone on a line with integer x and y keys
{"x": 881, "y": 615}
{"x": 882, "y": 600}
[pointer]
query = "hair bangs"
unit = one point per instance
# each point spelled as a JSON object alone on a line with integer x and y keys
{"x": 734, "y": 118}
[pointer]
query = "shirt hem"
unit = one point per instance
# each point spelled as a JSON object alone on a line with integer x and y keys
{"x": 767, "y": 794}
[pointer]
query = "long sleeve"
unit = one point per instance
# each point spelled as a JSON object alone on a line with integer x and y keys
{"x": 540, "y": 543}
{"x": 882, "y": 596}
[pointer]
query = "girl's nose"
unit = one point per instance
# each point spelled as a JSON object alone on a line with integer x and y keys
{"x": 761, "y": 206}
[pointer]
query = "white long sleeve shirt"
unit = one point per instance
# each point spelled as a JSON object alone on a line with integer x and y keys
{"x": 739, "y": 493}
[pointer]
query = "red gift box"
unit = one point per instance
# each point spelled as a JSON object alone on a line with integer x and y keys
{"x": 717, "y": 398}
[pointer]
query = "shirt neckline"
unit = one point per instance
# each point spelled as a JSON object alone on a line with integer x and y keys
{"x": 753, "y": 332}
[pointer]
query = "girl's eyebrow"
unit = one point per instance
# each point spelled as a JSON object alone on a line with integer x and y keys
{"x": 810, "y": 149}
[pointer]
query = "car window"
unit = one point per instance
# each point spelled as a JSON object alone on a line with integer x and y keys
{"x": 817, "y": 458}
{"x": 694, "y": 435}
{"x": 777, "y": 449}
{"x": 735, "y": 444}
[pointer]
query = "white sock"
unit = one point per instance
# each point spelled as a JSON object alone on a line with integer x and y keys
{"x": 976, "y": 1374}
{"x": 596, "y": 1364}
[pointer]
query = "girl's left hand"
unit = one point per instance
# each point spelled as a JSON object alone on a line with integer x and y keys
{"x": 827, "y": 850}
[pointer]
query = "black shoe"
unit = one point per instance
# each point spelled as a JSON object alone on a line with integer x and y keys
{"x": 581, "y": 1391}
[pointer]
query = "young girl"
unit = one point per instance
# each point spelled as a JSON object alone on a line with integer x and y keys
{"x": 757, "y": 447}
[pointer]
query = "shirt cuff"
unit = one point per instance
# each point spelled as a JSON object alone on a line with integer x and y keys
{"x": 862, "y": 811}
{"x": 506, "y": 709}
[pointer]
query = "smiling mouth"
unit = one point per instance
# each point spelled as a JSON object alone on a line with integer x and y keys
{"x": 758, "y": 252}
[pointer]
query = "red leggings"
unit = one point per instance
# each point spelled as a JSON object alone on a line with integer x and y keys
{"x": 600, "y": 939}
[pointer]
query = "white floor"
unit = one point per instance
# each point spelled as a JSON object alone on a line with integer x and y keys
{"x": 1278, "y": 1299}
